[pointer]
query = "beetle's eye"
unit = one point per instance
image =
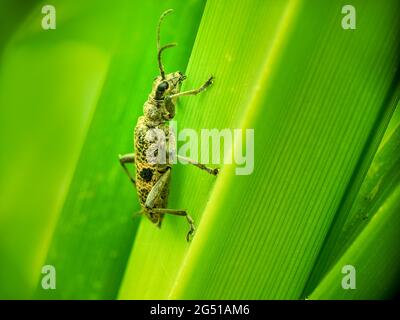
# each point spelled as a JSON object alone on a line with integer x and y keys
{"x": 162, "y": 86}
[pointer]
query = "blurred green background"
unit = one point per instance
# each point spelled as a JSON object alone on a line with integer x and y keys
{"x": 324, "y": 192}
{"x": 49, "y": 86}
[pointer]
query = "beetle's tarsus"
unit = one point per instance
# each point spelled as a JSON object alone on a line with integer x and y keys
{"x": 210, "y": 81}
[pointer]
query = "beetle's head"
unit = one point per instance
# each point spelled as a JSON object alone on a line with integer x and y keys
{"x": 162, "y": 108}
{"x": 170, "y": 85}
{"x": 165, "y": 85}
{"x": 162, "y": 89}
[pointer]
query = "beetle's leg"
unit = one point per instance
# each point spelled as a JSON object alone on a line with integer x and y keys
{"x": 181, "y": 213}
{"x": 194, "y": 91}
{"x": 199, "y": 165}
{"x": 123, "y": 160}
{"x": 155, "y": 194}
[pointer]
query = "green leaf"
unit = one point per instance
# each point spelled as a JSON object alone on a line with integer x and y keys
{"x": 361, "y": 203}
{"x": 374, "y": 255}
{"x": 235, "y": 70}
{"x": 368, "y": 242}
{"x": 315, "y": 95}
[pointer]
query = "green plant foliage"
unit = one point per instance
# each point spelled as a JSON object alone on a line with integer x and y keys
{"x": 314, "y": 94}
{"x": 49, "y": 84}
{"x": 374, "y": 256}
{"x": 95, "y": 231}
{"x": 375, "y": 221}
{"x": 324, "y": 192}
{"x": 383, "y": 176}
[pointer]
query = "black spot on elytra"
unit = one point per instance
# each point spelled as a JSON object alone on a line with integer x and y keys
{"x": 146, "y": 174}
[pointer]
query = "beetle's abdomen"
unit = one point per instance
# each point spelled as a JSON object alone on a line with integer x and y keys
{"x": 148, "y": 172}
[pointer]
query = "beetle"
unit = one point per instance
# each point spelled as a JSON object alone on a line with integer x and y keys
{"x": 152, "y": 178}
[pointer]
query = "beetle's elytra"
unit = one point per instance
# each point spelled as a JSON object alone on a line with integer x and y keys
{"x": 152, "y": 179}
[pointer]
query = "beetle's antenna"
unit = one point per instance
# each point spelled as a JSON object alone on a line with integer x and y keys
{"x": 159, "y": 48}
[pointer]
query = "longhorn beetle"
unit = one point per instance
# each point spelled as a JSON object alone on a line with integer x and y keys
{"x": 152, "y": 179}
